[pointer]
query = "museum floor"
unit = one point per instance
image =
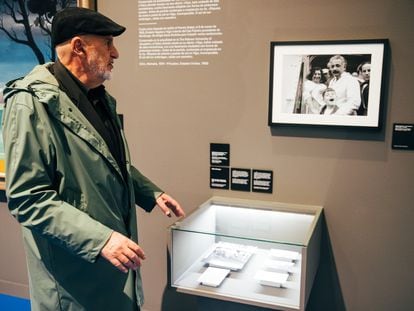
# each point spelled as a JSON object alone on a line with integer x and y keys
{"x": 10, "y": 303}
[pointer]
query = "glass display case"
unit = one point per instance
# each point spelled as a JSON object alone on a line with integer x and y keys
{"x": 253, "y": 252}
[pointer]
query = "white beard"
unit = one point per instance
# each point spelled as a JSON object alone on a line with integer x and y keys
{"x": 98, "y": 68}
{"x": 107, "y": 75}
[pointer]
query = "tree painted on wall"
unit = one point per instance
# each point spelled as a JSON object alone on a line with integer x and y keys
{"x": 27, "y": 22}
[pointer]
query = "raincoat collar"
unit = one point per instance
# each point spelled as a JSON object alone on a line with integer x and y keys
{"x": 44, "y": 86}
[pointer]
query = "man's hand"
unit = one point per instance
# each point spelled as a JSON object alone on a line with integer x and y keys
{"x": 122, "y": 252}
{"x": 167, "y": 203}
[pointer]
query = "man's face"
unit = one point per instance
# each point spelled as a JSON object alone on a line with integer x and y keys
{"x": 101, "y": 53}
{"x": 337, "y": 67}
{"x": 366, "y": 71}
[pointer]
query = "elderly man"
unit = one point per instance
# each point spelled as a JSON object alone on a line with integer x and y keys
{"x": 348, "y": 98}
{"x": 70, "y": 182}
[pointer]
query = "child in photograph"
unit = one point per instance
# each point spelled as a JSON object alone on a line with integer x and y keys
{"x": 329, "y": 98}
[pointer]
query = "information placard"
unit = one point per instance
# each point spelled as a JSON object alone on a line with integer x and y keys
{"x": 219, "y": 154}
{"x": 262, "y": 181}
{"x": 240, "y": 179}
{"x": 219, "y": 177}
{"x": 403, "y": 136}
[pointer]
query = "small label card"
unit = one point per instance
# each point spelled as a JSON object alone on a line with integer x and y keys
{"x": 219, "y": 177}
{"x": 403, "y": 136}
{"x": 240, "y": 179}
{"x": 262, "y": 181}
{"x": 220, "y": 154}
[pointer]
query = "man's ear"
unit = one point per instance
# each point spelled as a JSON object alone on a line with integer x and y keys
{"x": 78, "y": 46}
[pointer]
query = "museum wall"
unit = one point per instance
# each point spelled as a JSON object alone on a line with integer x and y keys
{"x": 173, "y": 113}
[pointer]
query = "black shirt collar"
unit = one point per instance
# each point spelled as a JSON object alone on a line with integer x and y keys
{"x": 71, "y": 85}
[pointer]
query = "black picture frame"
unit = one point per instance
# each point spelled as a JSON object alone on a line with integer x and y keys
{"x": 296, "y": 97}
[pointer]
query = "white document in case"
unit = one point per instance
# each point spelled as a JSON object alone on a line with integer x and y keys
{"x": 274, "y": 279}
{"x": 213, "y": 276}
{"x": 279, "y": 265}
{"x": 284, "y": 254}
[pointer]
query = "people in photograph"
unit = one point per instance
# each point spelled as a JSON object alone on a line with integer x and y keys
{"x": 326, "y": 73}
{"x": 312, "y": 91}
{"x": 345, "y": 85}
{"x": 329, "y": 99}
{"x": 357, "y": 74}
{"x": 364, "y": 70}
{"x": 70, "y": 181}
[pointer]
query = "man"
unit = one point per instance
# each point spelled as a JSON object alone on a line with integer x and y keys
{"x": 348, "y": 98}
{"x": 364, "y": 70}
{"x": 70, "y": 182}
{"x": 326, "y": 74}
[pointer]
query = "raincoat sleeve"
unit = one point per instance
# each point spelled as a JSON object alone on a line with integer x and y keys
{"x": 33, "y": 197}
{"x": 146, "y": 192}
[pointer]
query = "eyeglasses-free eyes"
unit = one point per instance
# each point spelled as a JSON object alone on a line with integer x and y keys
{"x": 335, "y": 65}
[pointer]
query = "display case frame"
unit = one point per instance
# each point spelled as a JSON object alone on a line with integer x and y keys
{"x": 227, "y": 222}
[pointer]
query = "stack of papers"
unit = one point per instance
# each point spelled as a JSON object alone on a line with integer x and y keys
{"x": 274, "y": 279}
{"x": 285, "y": 255}
{"x": 279, "y": 266}
{"x": 213, "y": 276}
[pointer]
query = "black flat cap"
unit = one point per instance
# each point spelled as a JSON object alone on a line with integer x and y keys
{"x": 74, "y": 21}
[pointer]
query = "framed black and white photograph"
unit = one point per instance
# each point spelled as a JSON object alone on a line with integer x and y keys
{"x": 328, "y": 83}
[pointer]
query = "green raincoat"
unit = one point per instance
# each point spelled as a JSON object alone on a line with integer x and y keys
{"x": 67, "y": 191}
